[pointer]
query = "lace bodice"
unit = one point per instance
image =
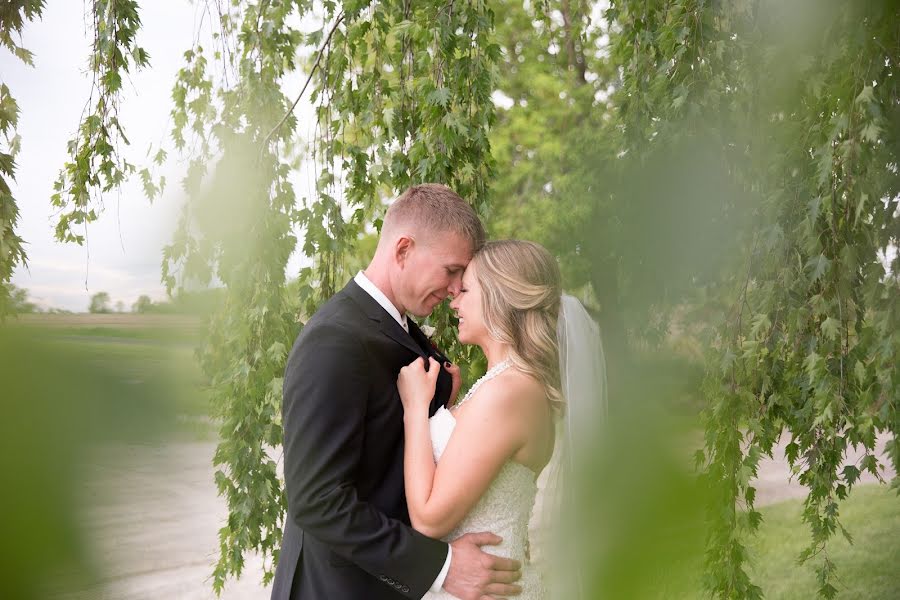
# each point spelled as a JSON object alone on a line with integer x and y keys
{"x": 504, "y": 509}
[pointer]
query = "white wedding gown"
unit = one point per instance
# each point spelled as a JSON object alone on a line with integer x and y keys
{"x": 504, "y": 509}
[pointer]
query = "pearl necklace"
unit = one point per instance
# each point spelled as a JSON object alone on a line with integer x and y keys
{"x": 492, "y": 372}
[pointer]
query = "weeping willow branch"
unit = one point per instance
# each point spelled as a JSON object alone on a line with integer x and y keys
{"x": 308, "y": 80}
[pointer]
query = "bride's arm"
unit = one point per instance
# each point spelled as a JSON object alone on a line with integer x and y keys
{"x": 485, "y": 437}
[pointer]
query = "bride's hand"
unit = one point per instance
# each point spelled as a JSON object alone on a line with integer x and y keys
{"x": 416, "y": 385}
{"x": 456, "y": 379}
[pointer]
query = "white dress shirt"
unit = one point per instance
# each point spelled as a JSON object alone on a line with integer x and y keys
{"x": 366, "y": 284}
{"x": 370, "y": 288}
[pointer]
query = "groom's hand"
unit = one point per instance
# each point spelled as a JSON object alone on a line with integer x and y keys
{"x": 476, "y": 575}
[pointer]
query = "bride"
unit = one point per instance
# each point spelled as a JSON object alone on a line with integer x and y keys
{"x": 473, "y": 467}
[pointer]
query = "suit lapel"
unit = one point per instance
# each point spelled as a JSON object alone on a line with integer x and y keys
{"x": 376, "y": 312}
{"x": 393, "y": 330}
{"x": 444, "y": 381}
{"x": 424, "y": 342}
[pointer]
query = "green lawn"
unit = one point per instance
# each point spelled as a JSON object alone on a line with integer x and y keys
{"x": 869, "y": 569}
{"x": 144, "y": 373}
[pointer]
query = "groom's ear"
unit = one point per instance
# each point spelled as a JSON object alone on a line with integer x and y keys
{"x": 402, "y": 247}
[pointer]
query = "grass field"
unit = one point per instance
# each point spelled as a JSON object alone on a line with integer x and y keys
{"x": 869, "y": 569}
{"x": 141, "y": 368}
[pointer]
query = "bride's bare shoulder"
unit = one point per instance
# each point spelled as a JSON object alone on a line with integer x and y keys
{"x": 513, "y": 396}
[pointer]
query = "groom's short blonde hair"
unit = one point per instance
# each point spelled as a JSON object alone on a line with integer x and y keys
{"x": 431, "y": 209}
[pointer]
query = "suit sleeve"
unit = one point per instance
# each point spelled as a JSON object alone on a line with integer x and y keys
{"x": 325, "y": 397}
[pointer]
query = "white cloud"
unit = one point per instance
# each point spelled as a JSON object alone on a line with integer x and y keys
{"x": 123, "y": 252}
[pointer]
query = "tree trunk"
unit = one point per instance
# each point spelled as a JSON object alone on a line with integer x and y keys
{"x": 574, "y": 57}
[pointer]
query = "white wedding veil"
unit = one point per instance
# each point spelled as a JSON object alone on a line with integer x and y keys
{"x": 582, "y": 373}
{"x": 582, "y": 369}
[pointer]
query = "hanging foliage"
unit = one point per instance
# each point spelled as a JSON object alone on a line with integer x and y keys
{"x": 13, "y": 18}
{"x": 96, "y": 164}
{"x": 802, "y": 102}
{"x": 402, "y": 96}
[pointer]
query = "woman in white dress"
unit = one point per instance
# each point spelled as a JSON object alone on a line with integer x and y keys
{"x": 473, "y": 467}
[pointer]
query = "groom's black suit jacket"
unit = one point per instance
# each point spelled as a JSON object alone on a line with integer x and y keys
{"x": 346, "y": 533}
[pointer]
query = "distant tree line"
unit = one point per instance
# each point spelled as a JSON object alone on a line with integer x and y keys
{"x": 197, "y": 302}
{"x": 18, "y": 299}
{"x": 192, "y": 303}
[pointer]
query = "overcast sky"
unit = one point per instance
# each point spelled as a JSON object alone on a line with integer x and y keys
{"x": 124, "y": 247}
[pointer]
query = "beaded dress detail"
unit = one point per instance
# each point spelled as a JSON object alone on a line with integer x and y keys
{"x": 504, "y": 509}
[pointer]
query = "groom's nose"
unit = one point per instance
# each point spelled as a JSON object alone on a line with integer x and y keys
{"x": 455, "y": 285}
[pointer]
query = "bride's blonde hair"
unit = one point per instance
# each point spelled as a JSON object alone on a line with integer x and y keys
{"x": 520, "y": 296}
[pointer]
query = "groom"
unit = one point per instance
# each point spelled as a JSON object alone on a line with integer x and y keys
{"x": 347, "y": 534}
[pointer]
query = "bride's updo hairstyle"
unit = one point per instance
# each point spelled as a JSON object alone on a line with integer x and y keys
{"x": 520, "y": 296}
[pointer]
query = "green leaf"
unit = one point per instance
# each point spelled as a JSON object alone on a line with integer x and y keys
{"x": 861, "y": 206}
{"x": 870, "y": 464}
{"x": 727, "y": 360}
{"x": 866, "y": 95}
{"x": 812, "y": 363}
{"x": 818, "y": 266}
{"x": 112, "y": 81}
{"x": 404, "y": 27}
{"x": 859, "y": 371}
{"x": 744, "y": 476}
{"x": 439, "y": 97}
{"x": 24, "y": 55}
{"x": 760, "y": 325}
{"x": 851, "y": 474}
{"x": 791, "y": 451}
{"x": 870, "y": 132}
{"x": 831, "y": 328}
{"x": 389, "y": 120}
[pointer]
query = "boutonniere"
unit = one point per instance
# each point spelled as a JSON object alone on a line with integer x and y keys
{"x": 428, "y": 330}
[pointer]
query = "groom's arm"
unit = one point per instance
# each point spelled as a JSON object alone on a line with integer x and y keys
{"x": 325, "y": 396}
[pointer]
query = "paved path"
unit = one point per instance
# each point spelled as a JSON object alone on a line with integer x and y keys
{"x": 154, "y": 515}
{"x": 773, "y": 483}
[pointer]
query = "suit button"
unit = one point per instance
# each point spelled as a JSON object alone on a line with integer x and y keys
{"x": 404, "y": 589}
{"x": 383, "y": 577}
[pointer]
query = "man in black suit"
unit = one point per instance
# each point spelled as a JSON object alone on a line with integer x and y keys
{"x": 347, "y": 533}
